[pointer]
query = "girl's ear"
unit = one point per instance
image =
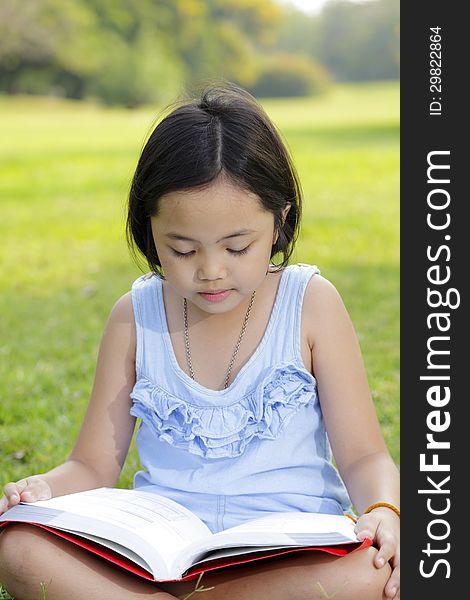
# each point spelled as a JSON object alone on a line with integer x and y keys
{"x": 283, "y": 220}
{"x": 285, "y": 212}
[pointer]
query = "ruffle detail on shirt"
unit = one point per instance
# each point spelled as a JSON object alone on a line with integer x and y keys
{"x": 225, "y": 431}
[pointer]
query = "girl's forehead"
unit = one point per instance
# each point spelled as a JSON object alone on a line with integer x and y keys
{"x": 214, "y": 206}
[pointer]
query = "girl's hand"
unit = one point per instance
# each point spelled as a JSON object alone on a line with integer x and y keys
{"x": 382, "y": 525}
{"x": 30, "y": 489}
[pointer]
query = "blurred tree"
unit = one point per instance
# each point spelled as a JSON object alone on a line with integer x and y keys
{"x": 283, "y": 75}
{"x": 299, "y": 33}
{"x": 224, "y": 37}
{"x": 33, "y": 44}
{"x": 354, "y": 41}
{"x": 137, "y": 51}
{"x": 114, "y": 49}
{"x": 129, "y": 52}
{"x": 360, "y": 42}
{"x": 137, "y": 61}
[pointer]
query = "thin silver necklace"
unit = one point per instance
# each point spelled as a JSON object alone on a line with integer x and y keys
{"x": 237, "y": 346}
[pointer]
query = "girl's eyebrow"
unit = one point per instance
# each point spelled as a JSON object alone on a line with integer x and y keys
{"x": 177, "y": 236}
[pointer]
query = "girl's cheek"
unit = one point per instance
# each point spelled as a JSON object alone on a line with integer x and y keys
{"x": 179, "y": 276}
{"x": 174, "y": 266}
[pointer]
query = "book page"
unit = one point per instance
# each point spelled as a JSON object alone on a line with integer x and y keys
{"x": 298, "y": 526}
{"x": 229, "y": 552}
{"x": 277, "y": 529}
{"x": 154, "y": 527}
{"x": 114, "y": 546}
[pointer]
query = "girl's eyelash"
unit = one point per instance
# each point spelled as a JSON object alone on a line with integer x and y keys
{"x": 182, "y": 254}
{"x": 188, "y": 254}
{"x": 239, "y": 252}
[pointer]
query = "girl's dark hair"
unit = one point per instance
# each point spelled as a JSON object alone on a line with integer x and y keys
{"x": 225, "y": 133}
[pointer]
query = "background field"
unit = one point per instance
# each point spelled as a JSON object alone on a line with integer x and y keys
{"x": 65, "y": 169}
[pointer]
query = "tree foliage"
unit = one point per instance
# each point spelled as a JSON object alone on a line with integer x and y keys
{"x": 291, "y": 75}
{"x": 354, "y": 41}
{"x": 139, "y": 51}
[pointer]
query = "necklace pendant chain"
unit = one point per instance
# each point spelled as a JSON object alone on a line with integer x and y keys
{"x": 237, "y": 345}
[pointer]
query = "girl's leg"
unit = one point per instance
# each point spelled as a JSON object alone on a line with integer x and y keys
{"x": 302, "y": 576}
{"x": 31, "y": 557}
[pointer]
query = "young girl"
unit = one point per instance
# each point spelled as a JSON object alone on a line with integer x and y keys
{"x": 236, "y": 368}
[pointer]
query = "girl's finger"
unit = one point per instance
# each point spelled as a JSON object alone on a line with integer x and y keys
{"x": 30, "y": 489}
{"x": 10, "y": 498}
{"x": 366, "y": 527}
{"x": 12, "y": 492}
{"x": 363, "y": 534}
{"x": 37, "y": 489}
{"x": 22, "y": 484}
{"x": 387, "y": 549}
{"x": 392, "y": 587}
{"x": 3, "y": 505}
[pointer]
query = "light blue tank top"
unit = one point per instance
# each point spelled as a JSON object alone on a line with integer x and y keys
{"x": 256, "y": 447}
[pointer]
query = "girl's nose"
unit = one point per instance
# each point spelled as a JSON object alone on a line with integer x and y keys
{"x": 211, "y": 269}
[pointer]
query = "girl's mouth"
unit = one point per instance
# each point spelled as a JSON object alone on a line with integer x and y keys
{"x": 215, "y": 296}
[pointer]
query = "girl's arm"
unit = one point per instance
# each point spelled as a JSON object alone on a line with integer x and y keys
{"x": 351, "y": 422}
{"x": 349, "y": 413}
{"x": 106, "y": 432}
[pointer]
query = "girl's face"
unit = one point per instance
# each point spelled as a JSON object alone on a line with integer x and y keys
{"x": 214, "y": 244}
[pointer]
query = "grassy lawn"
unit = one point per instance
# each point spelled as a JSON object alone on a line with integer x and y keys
{"x": 65, "y": 169}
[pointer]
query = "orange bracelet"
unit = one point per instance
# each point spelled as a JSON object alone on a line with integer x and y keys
{"x": 382, "y": 504}
{"x": 353, "y": 519}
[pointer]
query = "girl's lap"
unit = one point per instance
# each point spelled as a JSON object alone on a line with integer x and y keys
{"x": 305, "y": 575}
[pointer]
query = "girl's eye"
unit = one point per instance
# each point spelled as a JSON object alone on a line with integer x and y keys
{"x": 189, "y": 254}
{"x": 238, "y": 252}
{"x": 182, "y": 254}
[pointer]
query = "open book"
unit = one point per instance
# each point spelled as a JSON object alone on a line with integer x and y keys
{"x": 162, "y": 540}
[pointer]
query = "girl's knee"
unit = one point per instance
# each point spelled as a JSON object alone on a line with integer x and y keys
{"x": 368, "y": 582}
{"x": 11, "y": 544}
{"x": 353, "y": 577}
{"x": 17, "y": 546}
{"x": 8, "y": 545}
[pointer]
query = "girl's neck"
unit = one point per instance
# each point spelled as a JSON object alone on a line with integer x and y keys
{"x": 213, "y": 336}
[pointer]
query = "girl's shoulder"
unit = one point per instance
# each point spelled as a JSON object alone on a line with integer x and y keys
{"x": 146, "y": 280}
{"x": 122, "y": 318}
{"x": 323, "y": 308}
{"x": 122, "y": 309}
{"x": 318, "y": 288}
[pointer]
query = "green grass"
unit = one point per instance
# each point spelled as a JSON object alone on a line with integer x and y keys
{"x": 4, "y": 595}
{"x": 65, "y": 169}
